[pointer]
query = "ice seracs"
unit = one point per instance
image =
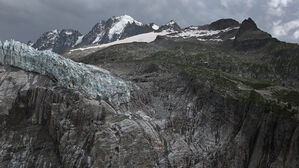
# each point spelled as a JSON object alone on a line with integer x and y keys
{"x": 69, "y": 74}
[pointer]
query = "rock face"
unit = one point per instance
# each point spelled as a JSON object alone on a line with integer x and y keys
{"x": 188, "y": 105}
{"x": 58, "y": 40}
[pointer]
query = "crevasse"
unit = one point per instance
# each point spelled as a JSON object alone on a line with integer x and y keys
{"x": 67, "y": 73}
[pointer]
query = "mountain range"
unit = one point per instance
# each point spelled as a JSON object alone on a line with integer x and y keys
{"x": 113, "y": 29}
{"x": 126, "y": 94}
{"x": 119, "y": 28}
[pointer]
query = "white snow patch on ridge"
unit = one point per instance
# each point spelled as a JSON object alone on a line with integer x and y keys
{"x": 192, "y": 32}
{"x": 79, "y": 40}
{"x": 69, "y": 74}
{"x": 155, "y": 27}
{"x": 121, "y": 23}
{"x": 68, "y": 33}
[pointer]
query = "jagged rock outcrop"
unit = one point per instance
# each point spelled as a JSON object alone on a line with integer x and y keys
{"x": 58, "y": 40}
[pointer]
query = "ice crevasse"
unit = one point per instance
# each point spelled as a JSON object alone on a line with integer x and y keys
{"x": 69, "y": 74}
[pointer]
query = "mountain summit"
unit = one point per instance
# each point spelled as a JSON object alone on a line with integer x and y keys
{"x": 113, "y": 29}
{"x": 250, "y": 36}
{"x": 170, "y": 26}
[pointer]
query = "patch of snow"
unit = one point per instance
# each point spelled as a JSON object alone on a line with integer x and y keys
{"x": 155, "y": 27}
{"x": 69, "y": 74}
{"x": 121, "y": 23}
{"x": 98, "y": 38}
{"x": 193, "y": 28}
{"x": 78, "y": 41}
{"x": 68, "y": 33}
{"x": 146, "y": 37}
{"x": 201, "y": 33}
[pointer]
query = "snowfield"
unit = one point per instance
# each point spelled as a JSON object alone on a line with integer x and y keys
{"x": 146, "y": 38}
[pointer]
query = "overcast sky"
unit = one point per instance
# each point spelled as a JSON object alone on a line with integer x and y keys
{"x": 25, "y": 20}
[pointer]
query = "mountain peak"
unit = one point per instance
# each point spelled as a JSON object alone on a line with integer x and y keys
{"x": 248, "y": 24}
{"x": 249, "y": 36}
{"x": 120, "y": 23}
{"x": 170, "y": 26}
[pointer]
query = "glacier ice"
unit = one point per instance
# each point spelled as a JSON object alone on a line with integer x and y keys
{"x": 67, "y": 73}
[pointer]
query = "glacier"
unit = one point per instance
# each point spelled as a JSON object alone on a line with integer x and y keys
{"x": 90, "y": 79}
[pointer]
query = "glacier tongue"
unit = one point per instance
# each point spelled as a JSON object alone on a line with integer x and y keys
{"x": 69, "y": 74}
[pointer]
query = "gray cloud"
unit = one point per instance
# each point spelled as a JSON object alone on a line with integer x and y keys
{"x": 26, "y": 20}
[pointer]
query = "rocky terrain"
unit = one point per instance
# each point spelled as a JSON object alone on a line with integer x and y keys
{"x": 223, "y": 95}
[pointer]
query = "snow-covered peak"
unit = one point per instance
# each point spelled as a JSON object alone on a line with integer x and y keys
{"x": 69, "y": 74}
{"x": 127, "y": 19}
{"x": 120, "y": 23}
